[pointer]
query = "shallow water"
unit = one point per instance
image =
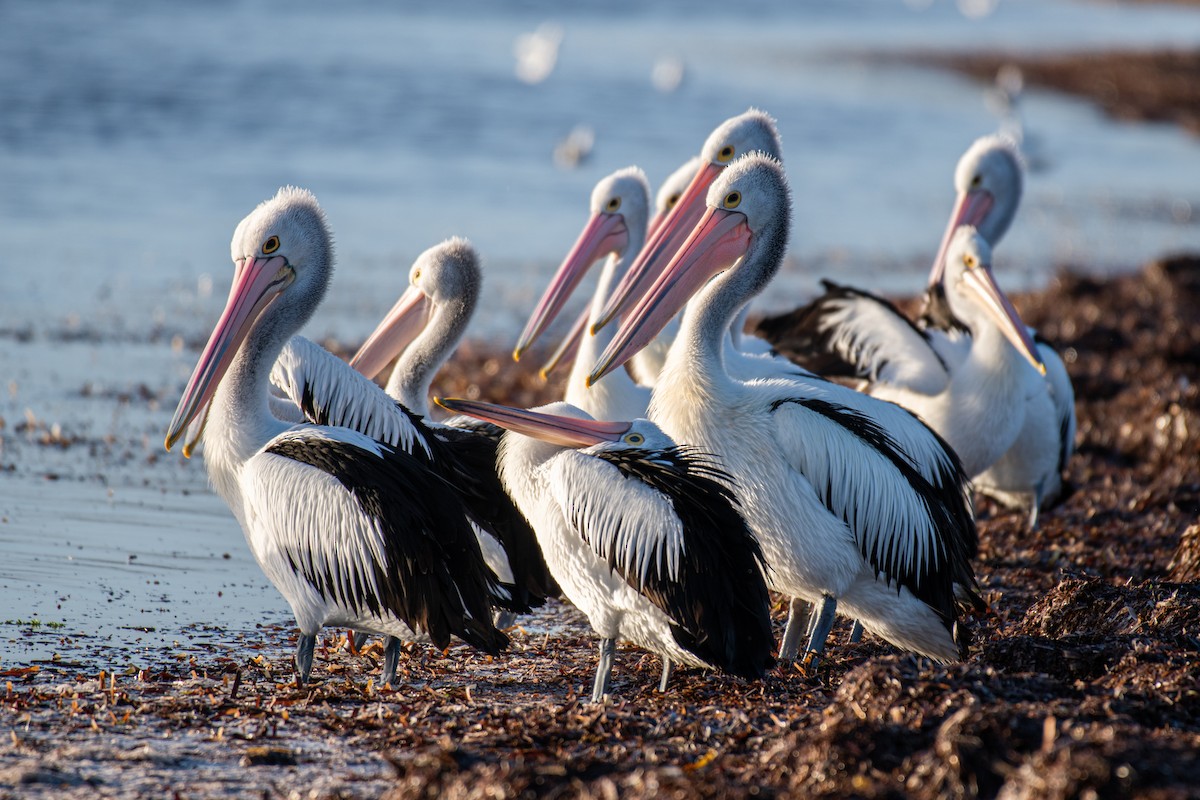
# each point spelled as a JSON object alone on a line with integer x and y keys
{"x": 136, "y": 134}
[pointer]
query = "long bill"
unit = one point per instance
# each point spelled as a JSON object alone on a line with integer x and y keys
{"x": 996, "y": 304}
{"x": 719, "y": 240}
{"x": 660, "y": 245}
{"x": 564, "y": 431}
{"x": 256, "y": 284}
{"x": 970, "y": 208}
{"x": 604, "y": 233}
{"x": 394, "y": 333}
{"x": 568, "y": 348}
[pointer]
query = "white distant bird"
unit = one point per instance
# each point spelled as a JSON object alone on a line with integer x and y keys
{"x": 988, "y": 180}
{"x": 972, "y": 389}
{"x": 352, "y": 531}
{"x": 641, "y": 534}
{"x": 846, "y": 517}
{"x": 614, "y": 232}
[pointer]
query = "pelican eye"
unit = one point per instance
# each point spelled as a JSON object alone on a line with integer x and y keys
{"x": 671, "y": 201}
{"x": 725, "y": 154}
{"x": 976, "y": 181}
{"x": 633, "y": 438}
{"x": 612, "y": 205}
{"x": 970, "y": 261}
{"x": 270, "y": 245}
{"x": 416, "y": 276}
{"x": 732, "y": 200}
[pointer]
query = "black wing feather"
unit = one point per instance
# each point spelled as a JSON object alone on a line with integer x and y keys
{"x": 719, "y": 604}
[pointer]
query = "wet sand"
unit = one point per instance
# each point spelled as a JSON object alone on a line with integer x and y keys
{"x": 1081, "y": 678}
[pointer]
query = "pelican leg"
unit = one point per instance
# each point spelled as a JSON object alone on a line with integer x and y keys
{"x": 304, "y": 657}
{"x": 608, "y": 650}
{"x": 1037, "y": 505}
{"x": 856, "y": 632}
{"x": 820, "y": 633}
{"x": 505, "y": 619}
{"x": 799, "y": 617}
{"x": 360, "y": 639}
{"x": 391, "y": 656}
{"x": 666, "y": 675}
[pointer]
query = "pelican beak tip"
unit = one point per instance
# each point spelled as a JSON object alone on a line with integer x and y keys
{"x": 517, "y": 354}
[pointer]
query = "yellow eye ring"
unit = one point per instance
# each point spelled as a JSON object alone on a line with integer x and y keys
{"x": 613, "y": 205}
{"x": 732, "y": 200}
{"x": 725, "y": 154}
{"x": 672, "y": 200}
{"x": 969, "y": 260}
{"x": 270, "y": 245}
{"x": 634, "y": 438}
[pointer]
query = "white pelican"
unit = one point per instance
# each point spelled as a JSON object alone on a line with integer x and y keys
{"x": 988, "y": 181}
{"x": 642, "y": 535}
{"x": 845, "y": 515}
{"x": 973, "y": 393}
{"x": 352, "y": 531}
{"x": 615, "y": 232}
{"x": 424, "y": 327}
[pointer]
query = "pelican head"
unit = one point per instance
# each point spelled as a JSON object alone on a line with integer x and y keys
{"x": 447, "y": 276}
{"x": 971, "y": 288}
{"x": 562, "y": 424}
{"x": 282, "y": 247}
{"x": 987, "y": 183}
{"x": 619, "y": 208}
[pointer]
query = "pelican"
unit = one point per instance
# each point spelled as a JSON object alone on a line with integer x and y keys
{"x": 425, "y": 327}
{"x": 642, "y": 535}
{"x": 352, "y": 531}
{"x": 615, "y": 232}
{"x": 844, "y": 514}
{"x": 973, "y": 389}
{"x": 988, "y": 181}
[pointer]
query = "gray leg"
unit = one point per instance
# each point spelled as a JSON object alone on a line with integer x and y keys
{"x": 360, "y": 639}
{"x": 1037, "y": 505}
{"x": 391, "y": 656}
{"x": 505, "y": 619}
{"x": 824, "y": 624}
{"x": 798, "y": 619}
{"x": 856, "y": 632}
{"x": 666, "y": 676}
{"x": 304, "y": 657}
{"x": 608, "y": 650}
